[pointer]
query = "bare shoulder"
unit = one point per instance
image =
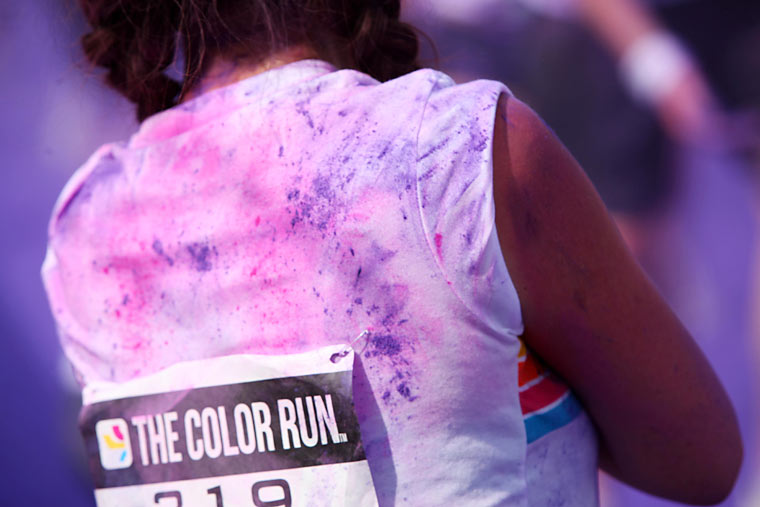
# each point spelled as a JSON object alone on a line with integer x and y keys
{"x": 549, "y": 213}
{"x": 665, "y": 422}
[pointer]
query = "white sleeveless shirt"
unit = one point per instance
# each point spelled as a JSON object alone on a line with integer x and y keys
{"x": 291, "y": 211}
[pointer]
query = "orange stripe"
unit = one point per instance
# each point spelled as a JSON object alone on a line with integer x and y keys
{"x": 523, "y": 351}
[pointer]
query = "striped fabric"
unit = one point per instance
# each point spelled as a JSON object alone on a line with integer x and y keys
{"x": 547, "y": 403}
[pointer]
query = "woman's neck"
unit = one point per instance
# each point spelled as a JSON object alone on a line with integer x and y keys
{"x": 223, "y": 72}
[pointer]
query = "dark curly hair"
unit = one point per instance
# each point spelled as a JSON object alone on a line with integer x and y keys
{"x": 136, "y": 41}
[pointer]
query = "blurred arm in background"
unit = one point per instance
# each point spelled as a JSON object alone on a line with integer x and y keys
{"x": 659, "y": 71}
{"x": 655, "y": 67}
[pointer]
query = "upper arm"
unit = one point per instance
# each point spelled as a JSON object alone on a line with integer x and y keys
{"x": 593, "y": 315}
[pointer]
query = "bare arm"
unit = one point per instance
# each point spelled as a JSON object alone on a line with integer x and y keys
{"x": 618, "y": 23}
{"x": 665, "y": 423}
{"x": 686, "y": 106}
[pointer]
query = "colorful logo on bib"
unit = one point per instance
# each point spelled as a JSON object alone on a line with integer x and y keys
{"x": 113, "y": 444}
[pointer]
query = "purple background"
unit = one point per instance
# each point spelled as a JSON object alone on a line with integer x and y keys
{"x": 53, "y": 117}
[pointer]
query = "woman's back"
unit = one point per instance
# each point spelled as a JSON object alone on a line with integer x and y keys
{"x": 294, "y": 210}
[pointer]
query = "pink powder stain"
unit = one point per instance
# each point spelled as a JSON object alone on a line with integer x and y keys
{"x": 359, "y": 217}
{"x": 180, "y": 122}
{"x": 135, "y": 343}
{"x": 258, "y": 221}
{"x": 439, "y": 245}
{"x": 264, "y": 266}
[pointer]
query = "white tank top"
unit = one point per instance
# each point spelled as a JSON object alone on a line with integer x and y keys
{"x": 296, "y": 208}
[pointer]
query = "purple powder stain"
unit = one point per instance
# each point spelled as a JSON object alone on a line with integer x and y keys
{"x": 479, "y": 139}
{"x": 301, "y": 109}
{"x": 480, "y": 146}
{"x": 200, "y": 256}
{"x": 428, "y": 174}
{"x": 384, "y": 152}
{"x": 392, "y": 309}
{"x": 321, "y": 187}
{"x": 384, "y": 345}
{"x": 433, "y": 149}
{"x": 403, "y": 390}
{"x": 159, "y": 249}
{"x": 382, "y": 254}
{"x": 305, "y": 207}
{"x": 316, "y": 209}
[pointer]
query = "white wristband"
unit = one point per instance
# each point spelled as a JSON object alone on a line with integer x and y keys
{"x": 652, "y": 65}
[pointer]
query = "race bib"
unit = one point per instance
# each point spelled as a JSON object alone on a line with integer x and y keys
{"x": 236, "y": 431}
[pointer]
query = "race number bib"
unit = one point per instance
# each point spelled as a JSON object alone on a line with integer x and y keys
{"x": 236, "y": 431}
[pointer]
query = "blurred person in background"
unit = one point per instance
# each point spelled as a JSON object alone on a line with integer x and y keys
{"x": 659, "y": 102}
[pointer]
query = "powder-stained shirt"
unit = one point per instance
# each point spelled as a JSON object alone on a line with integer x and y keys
{"x": 295, "y": 209}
